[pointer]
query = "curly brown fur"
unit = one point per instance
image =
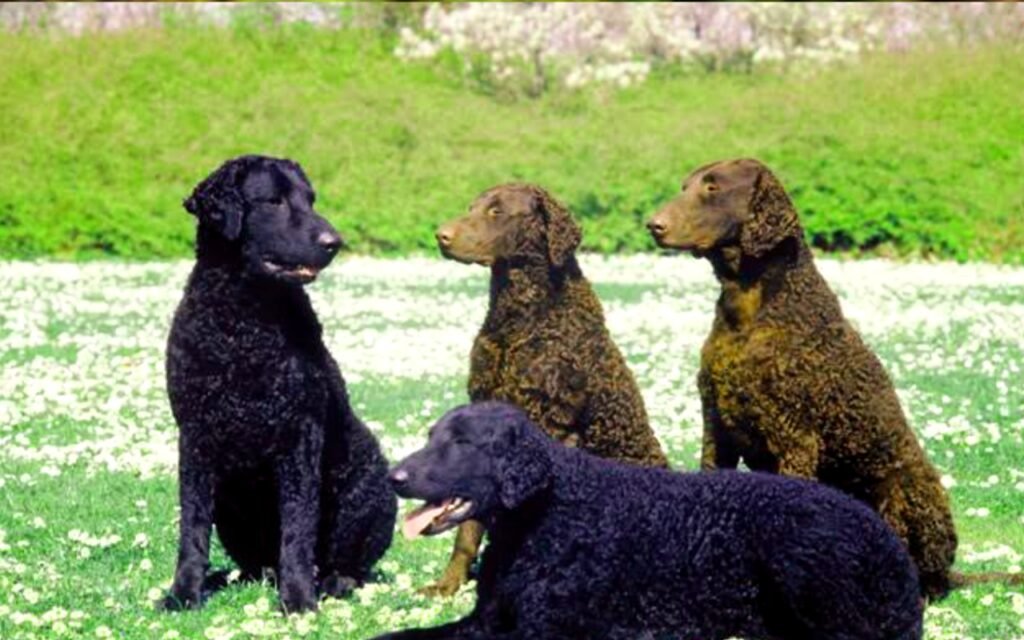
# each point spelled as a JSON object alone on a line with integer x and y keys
{"x": 786, "y": 383}
{"x": 544, "y": 345}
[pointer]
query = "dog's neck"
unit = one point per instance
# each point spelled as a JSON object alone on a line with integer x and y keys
{"x": 521, "y": 292}
{"x": 752, "y": 286}
{"x": 221, "y": 265}
{"x": 569, "y": 469}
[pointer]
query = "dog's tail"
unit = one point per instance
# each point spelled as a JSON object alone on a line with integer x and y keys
{"x": 959, "y": 580}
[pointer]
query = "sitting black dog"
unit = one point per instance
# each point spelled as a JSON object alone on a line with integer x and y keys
{"x": 582, "y": 547}
{"x": 270, "y": 450}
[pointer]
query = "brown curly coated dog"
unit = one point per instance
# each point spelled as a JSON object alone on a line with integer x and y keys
{"x": 786, "y": 383}
{"x": 543, "y": 345}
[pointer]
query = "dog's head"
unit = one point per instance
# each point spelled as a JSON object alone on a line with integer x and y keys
{"x": 480, "y": 459}
{"x": 510, "y": 222}
{"x": 263, "y": 208}
{"x": 733, "y": 203}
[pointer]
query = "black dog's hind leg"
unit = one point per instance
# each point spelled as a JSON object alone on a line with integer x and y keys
{"x": 196, "y": 495}
{"x": 298, "y": 478}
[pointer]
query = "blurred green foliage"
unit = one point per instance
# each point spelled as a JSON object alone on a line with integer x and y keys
{"x": 103, "y": 135}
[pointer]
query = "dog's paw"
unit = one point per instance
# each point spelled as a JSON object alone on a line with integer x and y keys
{"x": 338, "y": 586}
{"x": 297, "y": 598}
{"x": 446, "y": 587}
{"x": 458, "y": 572}
{"x": 179, "y": 601}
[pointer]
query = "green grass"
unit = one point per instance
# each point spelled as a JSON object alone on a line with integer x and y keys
{"x": 105, "y": 134}
{"x": 87, "y": 439}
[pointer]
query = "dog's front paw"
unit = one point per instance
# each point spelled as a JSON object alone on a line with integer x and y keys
{"x": 297, "y": 598}
{"x": 456, "y": 574}
{"x": 447, "y": 586}
{"x": 180, "y": 600}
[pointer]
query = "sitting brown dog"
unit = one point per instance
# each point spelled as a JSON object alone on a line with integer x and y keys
{"x": 786, "y": 383}
{"x": 543, "y": 346}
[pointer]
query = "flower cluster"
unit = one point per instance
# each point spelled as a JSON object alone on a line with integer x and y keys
{"x": 618, "y": 44}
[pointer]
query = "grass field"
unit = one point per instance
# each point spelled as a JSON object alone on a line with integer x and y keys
{"x": 87, "y": 457}
{"x": 105, "y": 134}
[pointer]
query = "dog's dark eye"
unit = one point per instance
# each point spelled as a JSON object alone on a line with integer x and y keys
{"x": 710, "y": 187}
{"x": 276, "y": 201}
{"x": 493, "y": 211}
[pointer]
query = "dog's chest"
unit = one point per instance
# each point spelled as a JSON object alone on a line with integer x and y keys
{"x": 504, "y": 369}
{"x": 232, "y": 372}
{"x": 559, "y": 550}
{"x": 739, "y": 365}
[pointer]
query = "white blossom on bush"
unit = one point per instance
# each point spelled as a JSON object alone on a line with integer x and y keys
{"x": 531, "y": 46}
{"x": 617, "y": 44}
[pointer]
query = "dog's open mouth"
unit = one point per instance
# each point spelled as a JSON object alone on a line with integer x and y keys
{"x": 434, "y": 518}
{"x": 302, "y": 273}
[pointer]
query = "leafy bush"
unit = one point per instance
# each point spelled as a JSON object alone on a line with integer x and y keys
{"x": 103, "y": 135}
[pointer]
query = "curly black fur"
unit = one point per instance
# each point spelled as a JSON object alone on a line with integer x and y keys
{"x": 582, "y": 547}
{"x": 266, "y": 431}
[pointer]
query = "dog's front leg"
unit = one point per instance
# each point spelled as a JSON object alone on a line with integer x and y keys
{"x": 298, "y": 480}
{"x": 716, "y": 450}
{"x": 195, "y": 487}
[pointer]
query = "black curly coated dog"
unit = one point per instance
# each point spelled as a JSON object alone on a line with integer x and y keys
{"x": 583, "y": 547}
{"x": 267, "y": 435}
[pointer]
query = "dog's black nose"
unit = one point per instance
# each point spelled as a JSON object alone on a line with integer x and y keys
{"x": 657, "y": 227}
{"x": 329, "y": 240}
{"x": 398, "y": 478}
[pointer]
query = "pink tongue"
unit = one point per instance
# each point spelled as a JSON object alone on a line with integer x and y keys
{"x": 419, "y": 519}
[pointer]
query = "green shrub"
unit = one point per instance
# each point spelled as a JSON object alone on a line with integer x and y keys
{"x": 103, "y": 135}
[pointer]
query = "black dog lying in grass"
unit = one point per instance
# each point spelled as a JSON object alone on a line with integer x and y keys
{"x": 582, "y": 547}
{"x": 267, "y": 435}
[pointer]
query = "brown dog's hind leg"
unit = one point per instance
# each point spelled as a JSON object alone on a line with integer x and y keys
{"x": 915, "y": 505}
{"x": 456, "y": 574}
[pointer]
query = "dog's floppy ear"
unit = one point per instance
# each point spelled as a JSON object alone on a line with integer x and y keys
{"x": 524, "y": 465}
{"x": 563, "y": 234}
{"x": 772, "y": 216}
{"x": 297, "y": 168}
{"x": 217, "y": 201}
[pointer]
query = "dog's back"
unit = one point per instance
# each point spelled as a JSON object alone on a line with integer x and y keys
{"x": 710, "y": 555}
